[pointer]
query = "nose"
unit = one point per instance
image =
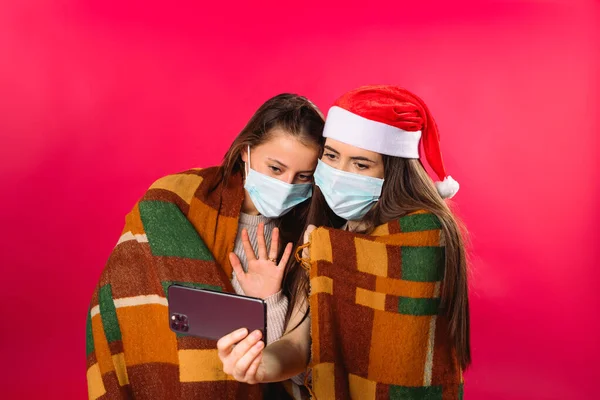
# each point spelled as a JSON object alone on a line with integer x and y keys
{"x": 289, "y": 177}
{"x": 346, "y": 166}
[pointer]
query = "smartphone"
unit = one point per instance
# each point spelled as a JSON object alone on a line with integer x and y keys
{"x": 211, "y": 315}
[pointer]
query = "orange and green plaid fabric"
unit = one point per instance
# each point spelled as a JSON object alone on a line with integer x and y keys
{"x": 179, "y": 232}
{"x": 376, "y": 332}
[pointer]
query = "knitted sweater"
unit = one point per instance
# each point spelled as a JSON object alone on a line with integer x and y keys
{"x": 181, "y": 231}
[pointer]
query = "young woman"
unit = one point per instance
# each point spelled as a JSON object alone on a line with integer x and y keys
{"x": 388, "y": 275}
{"x": 192, "y": 228}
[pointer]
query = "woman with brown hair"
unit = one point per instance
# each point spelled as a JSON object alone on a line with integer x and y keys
{"x": 387, "y": 281}
{"x": 191, "y": 229}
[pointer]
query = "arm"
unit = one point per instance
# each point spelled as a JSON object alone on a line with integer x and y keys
{"x": 290, "y": 355}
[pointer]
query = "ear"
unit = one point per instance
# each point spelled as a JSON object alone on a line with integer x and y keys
{"x": 245, "y": 154}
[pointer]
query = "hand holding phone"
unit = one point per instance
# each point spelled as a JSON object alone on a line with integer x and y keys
{"x": 241, "y": 354}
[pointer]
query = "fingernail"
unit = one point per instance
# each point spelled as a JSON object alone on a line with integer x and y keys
{"x": 258, "y": 345}
{"x": 241, "y": 332}
{"x": 256, "y": 334}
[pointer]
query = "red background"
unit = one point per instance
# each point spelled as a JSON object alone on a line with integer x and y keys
{"x": 98, "y": 99}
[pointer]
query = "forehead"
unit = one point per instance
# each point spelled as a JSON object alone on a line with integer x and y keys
{"x": 347, "y": 150}
{"x": 287, "y": 149}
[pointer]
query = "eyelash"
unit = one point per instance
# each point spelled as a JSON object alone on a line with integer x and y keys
{"x": 359, "y": 166}
{"x": 277, "y": 170}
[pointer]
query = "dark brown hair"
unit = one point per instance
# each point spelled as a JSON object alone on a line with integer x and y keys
{"x": 408, "y": 188}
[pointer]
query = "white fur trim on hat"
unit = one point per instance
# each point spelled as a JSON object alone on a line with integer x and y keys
{"x": 352, "y": 129}
{"x": 447, "y": 188}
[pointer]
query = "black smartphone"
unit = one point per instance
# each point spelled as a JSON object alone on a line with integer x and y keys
{"x": 211, "y": 315}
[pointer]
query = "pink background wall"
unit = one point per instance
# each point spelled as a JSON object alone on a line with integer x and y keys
{"x": 98, "y": 99}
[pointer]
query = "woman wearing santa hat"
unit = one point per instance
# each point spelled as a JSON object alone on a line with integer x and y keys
{"x": 387, "y": 271}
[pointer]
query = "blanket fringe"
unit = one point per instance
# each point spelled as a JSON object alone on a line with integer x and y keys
{"x": 303, "y": 261}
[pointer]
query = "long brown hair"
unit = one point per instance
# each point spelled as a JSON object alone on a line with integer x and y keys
{"x": 408, "y": 188}
{"x": 296, "y": 116}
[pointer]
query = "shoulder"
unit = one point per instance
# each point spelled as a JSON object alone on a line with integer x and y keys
{"x": 182, "y": 184}
{"x": 419, "y": 221}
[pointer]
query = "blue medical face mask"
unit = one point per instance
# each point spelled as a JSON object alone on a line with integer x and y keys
{"x": 349, "y": 195}
{"x": 272, "y": 197}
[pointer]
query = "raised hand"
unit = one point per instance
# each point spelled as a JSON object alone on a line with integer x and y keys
{"x": 264, "y": 275}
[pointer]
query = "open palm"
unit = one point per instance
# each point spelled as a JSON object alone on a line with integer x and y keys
{"x": 264, "y": 275}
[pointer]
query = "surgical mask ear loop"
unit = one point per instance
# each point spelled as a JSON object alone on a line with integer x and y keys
{"x": 247, "y": 164}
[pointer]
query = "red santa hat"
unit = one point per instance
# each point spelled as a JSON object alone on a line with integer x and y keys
{"x": 389, "y": 120}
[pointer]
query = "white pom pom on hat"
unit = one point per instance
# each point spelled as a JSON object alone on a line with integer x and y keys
{"x": 447, "y": 188}
{"x": 389, "y": 120}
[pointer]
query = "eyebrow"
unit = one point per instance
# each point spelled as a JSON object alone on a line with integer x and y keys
{"x": 357, "y": 158}
{"x": 310, "y": 171}
{"x": 363, "y": 159}
{"x": 332, "y": 149}
{"x": 277, "y": 161}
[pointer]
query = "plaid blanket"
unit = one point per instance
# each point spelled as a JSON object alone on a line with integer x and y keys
{"x": 374, "y": 303}
{"x": 179, "y": 232}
